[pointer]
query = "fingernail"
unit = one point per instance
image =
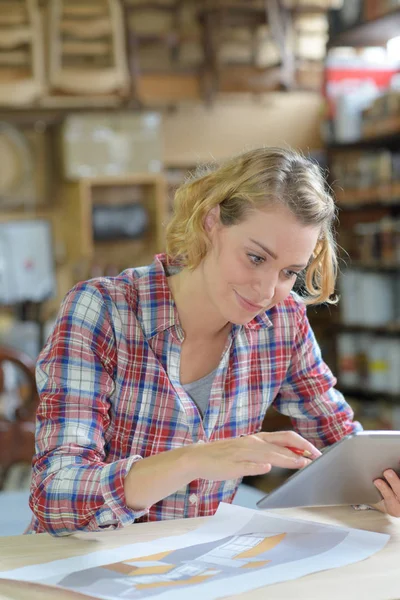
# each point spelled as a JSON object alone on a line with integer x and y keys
{"x": 389, "y": 474}
{"x": 316, "y": 453}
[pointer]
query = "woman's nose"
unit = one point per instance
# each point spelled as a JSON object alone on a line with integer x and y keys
{"x": 266, "y": 288}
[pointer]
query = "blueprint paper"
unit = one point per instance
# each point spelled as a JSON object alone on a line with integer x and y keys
{"x": 236, "y": 550}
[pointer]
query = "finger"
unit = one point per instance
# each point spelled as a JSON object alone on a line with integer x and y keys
{"x": 393, "y": 480}
{"x": 298, "y": 441}
{"x": 392, "y": 504}
{"x": 262, "y": 451}
{"x": 248, "y": 469}
{"x": 293, "y": 461}
{"x": 289, "y": 438}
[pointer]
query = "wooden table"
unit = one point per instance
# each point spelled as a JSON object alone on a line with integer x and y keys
{"x": 377, "y": 578}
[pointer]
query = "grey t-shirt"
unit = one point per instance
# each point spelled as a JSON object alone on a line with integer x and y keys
{"x": 200, "y": 390}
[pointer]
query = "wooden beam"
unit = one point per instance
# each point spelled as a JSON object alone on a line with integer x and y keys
{"x": 162, "y": 88}
{"x": 247, "y": 78}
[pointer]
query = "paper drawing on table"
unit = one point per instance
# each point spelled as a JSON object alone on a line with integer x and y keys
{"x": 144, "y": 576}
{"x": 226, "y": 555}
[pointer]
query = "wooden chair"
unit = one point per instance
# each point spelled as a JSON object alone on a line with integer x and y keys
{"x": 17, "y": 426}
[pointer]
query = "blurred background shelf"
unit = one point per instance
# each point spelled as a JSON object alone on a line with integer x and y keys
{"x": 371, "y": 395}
{"x": 190, "y": 83}
{"x": 390, "y": 329}
{"x": 388, "y": 139}
{"x": 373, "y": 29}
{"x": 362, "y": 141}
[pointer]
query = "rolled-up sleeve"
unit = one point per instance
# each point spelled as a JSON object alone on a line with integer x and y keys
{"x": 73, "y": 486}
{"x": 317, "y": 410}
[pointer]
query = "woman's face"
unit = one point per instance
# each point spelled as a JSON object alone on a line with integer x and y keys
{"x": 252, "y": 266}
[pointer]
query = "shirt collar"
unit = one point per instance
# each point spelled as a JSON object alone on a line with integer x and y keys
{"x": 261, "y": 321}
{"x": 157, "y": 310}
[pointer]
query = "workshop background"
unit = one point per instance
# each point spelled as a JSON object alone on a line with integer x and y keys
{"x": 106, "y": 106}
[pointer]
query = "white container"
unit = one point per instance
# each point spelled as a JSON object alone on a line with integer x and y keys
{"x": 393, "y": 345}
{"x": 96, "y": 145}
{"x": 379, "y": 365}
{"x": 26, "y": 262}
{"x": 347, "y": 348}
{"x": 348, "y": 111}
{"x": 350, "y": 306}
{"x": 376, "y": 299}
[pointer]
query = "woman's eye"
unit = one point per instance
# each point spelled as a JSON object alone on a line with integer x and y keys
{"x": 290, "y": 274}
{"x": 256, "y": 260}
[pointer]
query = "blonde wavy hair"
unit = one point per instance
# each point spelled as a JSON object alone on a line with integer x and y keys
{"x": 253, "y": 180}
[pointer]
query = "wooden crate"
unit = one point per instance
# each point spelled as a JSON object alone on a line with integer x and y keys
{"x": 89, "y": 257}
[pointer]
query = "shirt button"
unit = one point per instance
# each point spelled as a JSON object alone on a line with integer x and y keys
{"x": 193, "y": 499}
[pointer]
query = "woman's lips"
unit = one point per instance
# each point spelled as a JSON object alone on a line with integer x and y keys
{"x": 246, "y": 304}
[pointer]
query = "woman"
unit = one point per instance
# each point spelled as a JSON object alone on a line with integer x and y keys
{"x": 154, "y": 384}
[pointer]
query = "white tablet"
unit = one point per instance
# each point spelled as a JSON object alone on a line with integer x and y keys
{"x": 344, "y": 474}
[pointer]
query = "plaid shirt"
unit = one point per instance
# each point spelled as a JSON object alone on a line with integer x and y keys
{"x": 110, "y": 395}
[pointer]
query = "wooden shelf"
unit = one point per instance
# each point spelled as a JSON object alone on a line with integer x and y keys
{"x": 369, "y": 33}
{"x": 81, "y": 196}
{"x": 235, "y": 14}
{"x": 390, "y": 329}
{"x": 368, "y": 394}
{"x": 373, "y": 266}
{"x": 373, "y": 203}
{"x": 388, "y": 138}
{"x": 377, "y": 204}
{"x": 51, "y": 115}
{"x": 381, "y": 128}
{"x": 146, "y": 5}
{"x": 383, "y": 195}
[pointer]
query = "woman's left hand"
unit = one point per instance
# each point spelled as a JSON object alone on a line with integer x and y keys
{"x": 390, "y": 490}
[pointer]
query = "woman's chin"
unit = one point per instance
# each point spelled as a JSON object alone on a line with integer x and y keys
{"x": 240, "y": 317}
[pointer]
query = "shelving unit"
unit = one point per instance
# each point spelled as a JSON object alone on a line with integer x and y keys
{"x": 375, "y": 266}
{"x": 372, "y": 32}
{"x": 367, "y": 346}
{"x": 369, "y": 395}
{"x": 390, "y": 329}
{"x": 91, "y": 256}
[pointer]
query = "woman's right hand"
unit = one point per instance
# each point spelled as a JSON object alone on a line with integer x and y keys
{"x": 249, "y": 455}
{"x": 157, "y": 476}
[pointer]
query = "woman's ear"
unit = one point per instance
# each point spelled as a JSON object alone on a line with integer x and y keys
{"x": 212, "y": 219}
